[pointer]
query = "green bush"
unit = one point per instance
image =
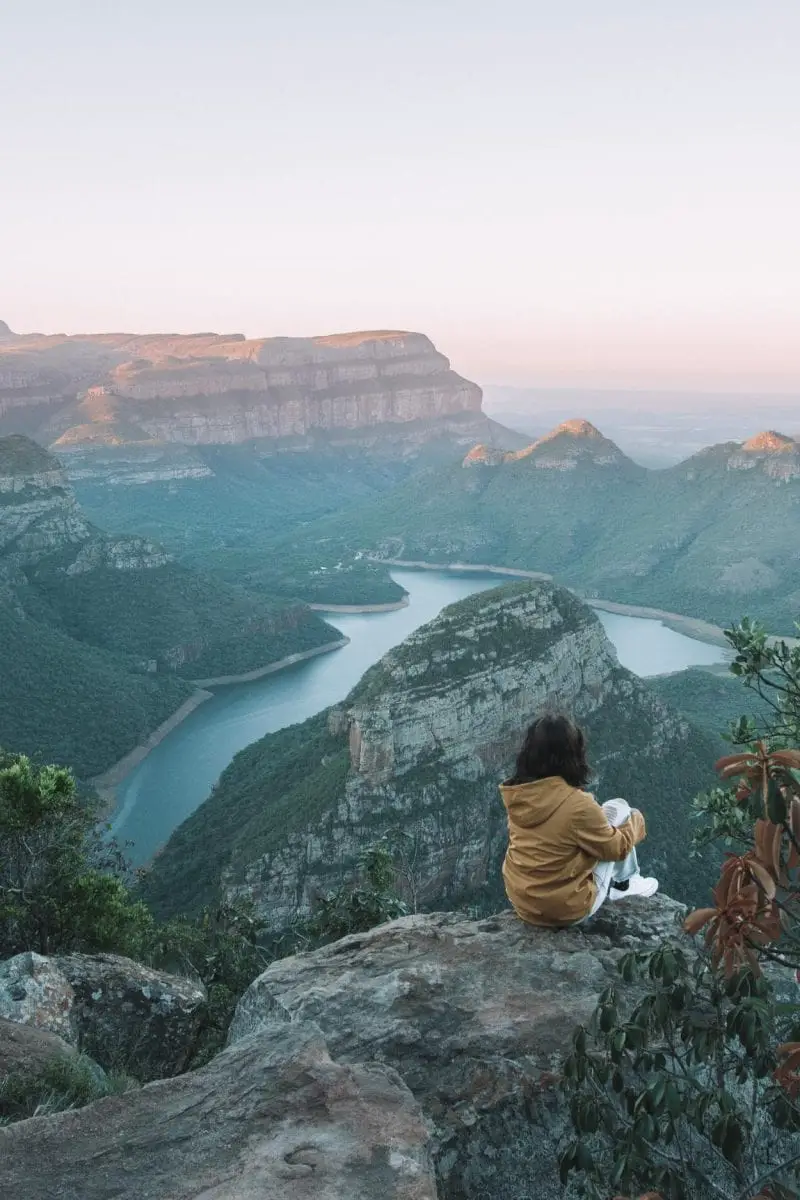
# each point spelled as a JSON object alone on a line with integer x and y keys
{"x": 356, "y": 908}
{"x": 60, "y": 886}
{"x": 688, "y": 1081}
{"x": 62, "y": 1084}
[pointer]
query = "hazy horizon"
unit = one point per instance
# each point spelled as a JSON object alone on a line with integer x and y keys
{"x": 584, "y": 196}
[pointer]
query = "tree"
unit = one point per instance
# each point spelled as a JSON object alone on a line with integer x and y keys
{"x": 62, "y": 887}
{"x": 688, "y": 1080}
{"x": 222, "y": 948}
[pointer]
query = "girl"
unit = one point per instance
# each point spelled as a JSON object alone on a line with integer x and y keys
{"x": 566, "y": 855}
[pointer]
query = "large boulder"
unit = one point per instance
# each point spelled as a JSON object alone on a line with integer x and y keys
{"x": 25, "y": 1048}
{"x": 271, "y": 1118}
{"x": 124, "y": 1015}
{"x": 476, "y": 1016}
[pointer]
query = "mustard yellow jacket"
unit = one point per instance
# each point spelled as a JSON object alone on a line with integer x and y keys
{"x": 557, "y": 835}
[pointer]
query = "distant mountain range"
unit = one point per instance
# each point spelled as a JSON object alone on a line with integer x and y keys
{"x": 265, "y": 460}
{"x": 715, "y": 536}
{"x": 656, "y": 428}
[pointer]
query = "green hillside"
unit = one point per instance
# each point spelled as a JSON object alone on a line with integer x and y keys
{"x": 61, "y": 701}
{"x": 227, "y": 523}
{"x": 100, "y": 634}
{"x": 711, "y": 701}
{"x": 182, "y": 620}
{"x": 714, "y": 537}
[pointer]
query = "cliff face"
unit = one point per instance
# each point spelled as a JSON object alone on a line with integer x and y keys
{"x": 38, "y": 512}
{"x": 40, "y": 517}
{"x": 418, "y": 751}
{"x": 211, "y": 389}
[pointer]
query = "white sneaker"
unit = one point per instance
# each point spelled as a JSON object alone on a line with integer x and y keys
{"x": 638, "y": 885}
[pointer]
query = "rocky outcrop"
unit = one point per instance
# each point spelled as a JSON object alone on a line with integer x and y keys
{"x": 211, "y": 389}
{"x": 38, "y": 512}
{"x": 273, "y": 1117}
{"x": 773, "y": 453}
{"x": 124, "y": 1015}
{"x": 40, "y": 518}
{"x": 476, "y": 1016}
{"x": 419, "y": 1061}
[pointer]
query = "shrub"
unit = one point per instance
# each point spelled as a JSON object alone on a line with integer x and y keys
{"x": 62, "y": 1084}
{"x": 61, "y": 887}
{"x": 354, "y": 909}
{"x": 693, "y": 1086}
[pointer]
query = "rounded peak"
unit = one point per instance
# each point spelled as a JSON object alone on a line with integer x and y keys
{"x": 769, "y": 440}
{"x": 577, "y": 427}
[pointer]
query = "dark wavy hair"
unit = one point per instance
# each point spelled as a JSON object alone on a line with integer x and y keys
{"x": 554, "y": 745}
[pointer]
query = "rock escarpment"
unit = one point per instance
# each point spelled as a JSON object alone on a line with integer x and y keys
{"x": 417, "y": 751}
{"x": 216, "y": 389}
{"x": 417, "y": 1061}
{"x": 40, "y": 518}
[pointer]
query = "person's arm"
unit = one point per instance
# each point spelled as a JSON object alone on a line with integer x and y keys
{"x": 594, "y": 834}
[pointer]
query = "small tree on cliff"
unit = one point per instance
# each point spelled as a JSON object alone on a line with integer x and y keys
{"x": 693, "y": 1088}
{"x": 61, "y": 887}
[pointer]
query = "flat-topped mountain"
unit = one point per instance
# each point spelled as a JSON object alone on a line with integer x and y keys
{"x": 100, "y": 634}
{"x": 205, "y": 389}
{"x": 214, "y": 444}
{"x": 418, "y": 750}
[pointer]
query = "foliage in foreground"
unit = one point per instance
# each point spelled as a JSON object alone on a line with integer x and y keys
{"x": 370, "y": 901}
{"x": 63, "y": 1083}
{"x": 692, "y": 1086}
{"x": 64, "y": 888}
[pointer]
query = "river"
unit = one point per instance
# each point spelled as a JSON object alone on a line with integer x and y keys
{"x": 179, "y": 773}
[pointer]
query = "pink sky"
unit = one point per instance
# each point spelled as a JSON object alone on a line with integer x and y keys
{"x": 582, "y": 194}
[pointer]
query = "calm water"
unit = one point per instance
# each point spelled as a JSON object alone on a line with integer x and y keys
{"x": 180, "y": 772}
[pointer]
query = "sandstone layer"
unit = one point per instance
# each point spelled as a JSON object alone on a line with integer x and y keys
{"x": 110, "y": 390}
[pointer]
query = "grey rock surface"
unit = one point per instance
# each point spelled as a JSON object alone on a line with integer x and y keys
{"x": 272, "y": 1118}
{"x": 476, "y": 1016}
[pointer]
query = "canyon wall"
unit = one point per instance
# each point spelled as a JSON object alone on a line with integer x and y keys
{"x": 115, "y": 389}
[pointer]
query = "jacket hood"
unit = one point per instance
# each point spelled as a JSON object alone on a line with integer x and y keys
{"x": 531, "y": 804}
